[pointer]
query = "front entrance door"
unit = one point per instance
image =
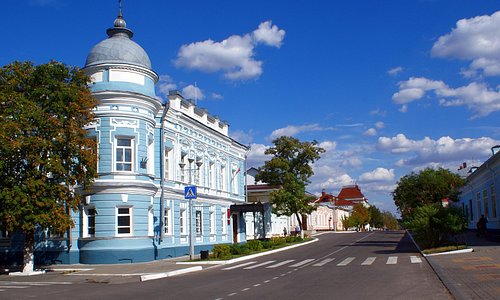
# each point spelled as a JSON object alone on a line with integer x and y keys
{"x": 235, "y": 228}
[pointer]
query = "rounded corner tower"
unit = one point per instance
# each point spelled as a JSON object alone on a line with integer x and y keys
{"x": 116, "y": 223}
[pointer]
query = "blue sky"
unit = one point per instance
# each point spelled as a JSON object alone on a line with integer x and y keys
{"x": 386, "y": 87}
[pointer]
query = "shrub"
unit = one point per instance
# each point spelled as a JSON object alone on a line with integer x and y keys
{"x": 222, "y": 251}
{"x": 254, "y": 245}
{"x": 277, "y": 241}
{"x": 266, "y": 245}
{"x": 432, "y": 225}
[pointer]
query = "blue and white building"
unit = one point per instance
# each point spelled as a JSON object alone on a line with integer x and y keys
{"x": 479, "y": 195}
{"x": 149, "y": 150}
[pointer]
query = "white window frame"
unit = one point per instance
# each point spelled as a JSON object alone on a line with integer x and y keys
{"x": 167, "y": 221}
{"x": 86, "y": 221}
{"x": 224, "y": 221}
{"x": 168, "y": 163}
{"x": 151, "y": 221}
{"x": 199, "y": 222}
{"x": 130, "y": 217}
{"x": 212, "y": 222}
{"x": 223, "y": 177}
{"x": 123, "y": 149}
{"x": 150, "y": 165}
{"x": 183, "y": 221}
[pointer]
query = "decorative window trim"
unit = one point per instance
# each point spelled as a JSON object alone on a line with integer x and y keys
{"x": 123, "y": 149}
{"x": 120, "y": 213}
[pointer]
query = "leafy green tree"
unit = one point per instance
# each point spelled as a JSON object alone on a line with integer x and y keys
{"x": 432, "y": 225}
{"x": 290, "y": 169}
{"x": 390, "y": 221}
{"x": 45, "y": 153}
{"x": 359, "y": 217}
{"x": 376, "y": 219}
{"x": 427, "y": 187}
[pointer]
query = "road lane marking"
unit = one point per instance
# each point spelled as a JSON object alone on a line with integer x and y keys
{"x": 274, "y": 278}
{"x": 346, "y": 261}
{"x": 256, "y": 285}
{"x": 14, "y": 287}
{"x": 415, "y": 259}
{"x": 323, "y": 262}
{"x": 392, "y": 260}
{"x": 245, "y": 289}
{"x": 240, "y": 265}
{"x": 259, "y": 265}
{"x": 280, "y": 264}
{"x": 267, "y": 281}
{"x": 302, "y": 263}
{"x": 232, "y": 294}
{"x": 368, "y": 261}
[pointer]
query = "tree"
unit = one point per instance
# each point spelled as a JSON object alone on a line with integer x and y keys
{"x": 290, "y": 169}
{"x": 390, "y": 221}
{"x": 376, "y": 219}
{"x": 45, "y": 152}
{"x": 432, "y": 224}
{"x": 427, "y": 187}
{"x": 359, "y": 217}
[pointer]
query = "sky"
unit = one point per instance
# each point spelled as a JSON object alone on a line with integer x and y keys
{"x": 385, "y": 87}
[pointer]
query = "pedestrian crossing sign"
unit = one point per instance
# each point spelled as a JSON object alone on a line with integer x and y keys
{"x": 190, "y": 192}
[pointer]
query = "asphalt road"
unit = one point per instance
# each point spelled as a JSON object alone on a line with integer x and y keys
{"x": 372, "y": 265}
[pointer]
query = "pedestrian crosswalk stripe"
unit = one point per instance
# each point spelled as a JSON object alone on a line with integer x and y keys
{"x": 368, "y": 261}
{"x": 280, "y": 264}
{"x": 392, "y": 260}
{"x": 14, "y": 286}
{"x": 415, "y": 259}
{"x": 323, "y": 262}
{"x": 346, "y": 261}
{"x": 302, "y": 263}
{"x": 239, "y": 266}
{"x": 260, "y": 265}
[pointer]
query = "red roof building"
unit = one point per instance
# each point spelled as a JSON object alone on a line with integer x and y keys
{"x": 351, "y": 195}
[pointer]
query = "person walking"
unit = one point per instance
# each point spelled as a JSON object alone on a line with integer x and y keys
{"x": 481, "y": 226}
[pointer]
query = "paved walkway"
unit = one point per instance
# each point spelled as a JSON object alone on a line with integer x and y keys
{"x": 473, "y": 275}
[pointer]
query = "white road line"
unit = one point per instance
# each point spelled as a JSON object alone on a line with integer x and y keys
{"x": 256, "y": 285}
{"x": 259, "y": 265}
{"x": 245, "y": 289}
{"x": 368, "y": 261}
{"x": 323, "y": 262}
{"x": 14, "y": 286}
{"x": 267, "y": 281}
{"x": 35, "y": 282}
{"x": 280, "y": 264}
{"x": 415, "y": 260}
{"x": 302, "y": 263}
{"x": 392, "y": 260}
{"x": 239, "y": 266}
{"x": 232, "y": 294}
{"x": 346, "y": 261}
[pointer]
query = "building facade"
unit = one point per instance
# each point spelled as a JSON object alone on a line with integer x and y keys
{"x": 479, "y": 195}
{"x": 149, "y": 151}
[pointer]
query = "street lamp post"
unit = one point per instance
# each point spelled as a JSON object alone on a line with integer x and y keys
{"x": 191, "y": 235}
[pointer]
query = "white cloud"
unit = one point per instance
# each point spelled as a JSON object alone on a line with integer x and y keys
{"x": 328, "y": 145}
{"x": 256, "y": 156}
{"x": 234, "y": 56}
{"x": 379, "y": 125}
{"x": 370, "y": 132}
{"x": 242, "y": 137}
{"x": 427, "y": 151}
{"x": 166, "y": 84}
{"x": 216, "y": 96}
{"x": 476, "y": 96}
{"x": 476, "y": 39}
{"x": 269, "y": 34}
{"x": 292, "y": 130}
{"x": 351, "y": 162}
{"x": 378, "y": 112}
{"x": 193, "y": 92}
{"x": 395, "y": 71}
{"x": 379, "y": 174}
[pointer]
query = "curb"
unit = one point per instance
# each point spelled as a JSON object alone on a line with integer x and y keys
{"x": 170, "y": 274}
{"x": 468, "y": 250}
{"x": 247, "y": 257}
{"x": 449, "y": 284}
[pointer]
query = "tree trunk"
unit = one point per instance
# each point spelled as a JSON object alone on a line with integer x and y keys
{"x": 299, "y": 219}
{"x": 28, "y": 253}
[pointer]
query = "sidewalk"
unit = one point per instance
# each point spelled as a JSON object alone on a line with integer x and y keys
{"x": 135, "y": 272}
{"x": 473, "y": 275}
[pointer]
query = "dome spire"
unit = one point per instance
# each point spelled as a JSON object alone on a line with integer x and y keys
{"x": 120, "y": 26}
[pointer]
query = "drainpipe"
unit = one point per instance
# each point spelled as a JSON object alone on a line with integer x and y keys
{"x": 162, "y": 169}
